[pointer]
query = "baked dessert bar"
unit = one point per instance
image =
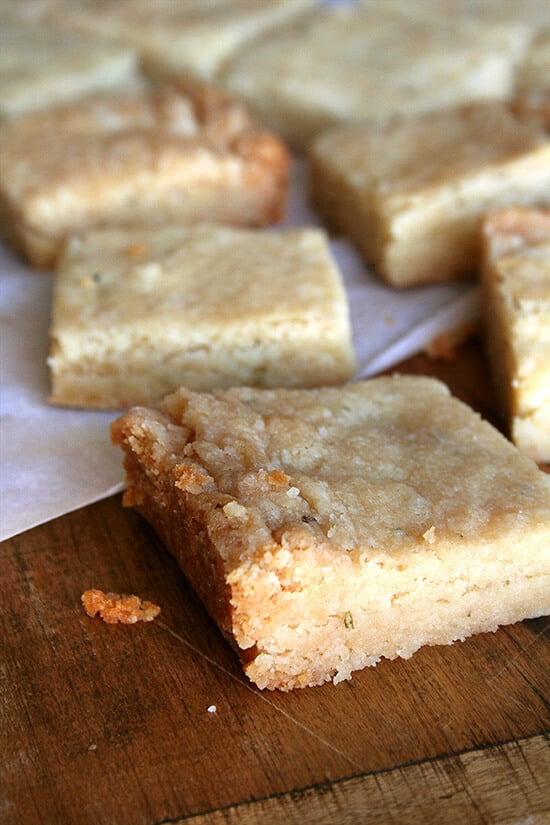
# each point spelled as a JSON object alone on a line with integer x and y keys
{"x": 348, "y": 64}
{"x": 532, "y": 13}
{"x": 516, "y": 304}
{"x": 533, "y": 73}
{"x": 181, "y": 152}
{"x": 325, "y": 529}
{"x": 194, "y": 37}
{"x": 43, "y": 65}
{"x": 410, "y": 193}
{"x": 31, "y": 12}
{"x": 137, "y": 313}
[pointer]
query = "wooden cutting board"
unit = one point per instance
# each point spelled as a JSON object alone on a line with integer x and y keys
{"x": 156, "y": 723}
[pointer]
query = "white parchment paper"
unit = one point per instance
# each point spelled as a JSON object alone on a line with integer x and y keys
{"x": 55, "y": 460}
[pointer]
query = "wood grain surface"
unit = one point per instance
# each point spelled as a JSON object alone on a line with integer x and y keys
{"x": 115, "y": 725}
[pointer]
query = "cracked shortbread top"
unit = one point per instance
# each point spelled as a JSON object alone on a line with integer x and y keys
{"x": 391, "y": 463}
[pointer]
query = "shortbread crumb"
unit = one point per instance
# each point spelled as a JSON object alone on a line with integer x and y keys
{"x": 445, "y": 345}
{"x": 114, "y": 607}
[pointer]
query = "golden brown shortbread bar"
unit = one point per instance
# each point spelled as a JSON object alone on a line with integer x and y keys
{"x": 137, "y": 313}
{"x": 348, "y": 64}
{"x": 326, "y": 529}
{"x": 410, "y": 193}
{"x": 516, "y": 307}
{"x": 533, "y": 73}
{"x": 185, "y": 37}
{"x": 42, "y": 64}
{"x": 179, "y": 153}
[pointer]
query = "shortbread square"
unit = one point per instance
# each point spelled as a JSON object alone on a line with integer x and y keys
{"x": 516, "y": 306}
{"x": 533, "y": 73}
{"x": 185, "y": 37}
{"x": 348, "y": 64}
{"x": 410, "y": 193}
{"x": 43, "y": 65}
{"x": 138, "y": 313}
{"x": 326, "y": 529}
{"x": 179, "y": 153}
{"x": 531, "y": 13}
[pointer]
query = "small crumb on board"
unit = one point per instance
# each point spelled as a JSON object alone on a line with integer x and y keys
{"x": 115, "y": 607}
{"x": 444, "y": 346}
